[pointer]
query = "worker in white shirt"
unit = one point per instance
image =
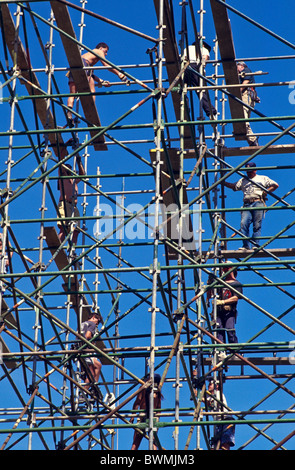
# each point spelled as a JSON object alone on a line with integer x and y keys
{"x": 254, "y": 197}
{"x": 191, "y": 78}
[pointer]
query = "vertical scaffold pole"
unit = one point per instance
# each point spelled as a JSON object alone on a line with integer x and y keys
{"x": 155, "y": 268}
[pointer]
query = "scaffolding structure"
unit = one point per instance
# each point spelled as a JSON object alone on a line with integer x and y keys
{"x": 148, "y": 240}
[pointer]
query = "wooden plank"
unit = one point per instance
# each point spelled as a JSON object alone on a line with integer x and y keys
{"x": 12, "y": 40}
{"x": 63, "y": 21}
{"x": 53, "y": 243}
{"x": 62, "y": 261}
{"x": 258, "y": 361}
{"x": 228, "y": 56}
{"x": 170, "y": 201}
{"x": 227, "y": 254}
{"x": 10, "y": 364}
{"x": 171, "y": 55}
{"x": 244, "y": 151}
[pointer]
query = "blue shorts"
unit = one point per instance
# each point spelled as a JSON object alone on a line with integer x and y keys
{"x": 226, "y": 433}
{"x": 88, "y": 72}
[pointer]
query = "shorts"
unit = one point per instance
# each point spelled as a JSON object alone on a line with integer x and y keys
{"x": 226, "y": 434}
{"x": 71, "y": 211}
{"x": 88, "y": 72}
{"x": 89, "y": 360}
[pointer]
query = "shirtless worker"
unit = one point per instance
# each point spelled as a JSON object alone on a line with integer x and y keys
{"x": 142, "y": 402}
{"x": 89, "y": 60}
{"x": 68, "y": 199}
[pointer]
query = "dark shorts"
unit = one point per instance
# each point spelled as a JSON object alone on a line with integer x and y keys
{"x": 88, "y": 72}
{"x": 226, "y": 434}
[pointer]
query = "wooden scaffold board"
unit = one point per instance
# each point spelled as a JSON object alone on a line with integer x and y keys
{"x": 64, "y": 23}
{"x": 32, "y": 84}
{"x": 170, "y": 192}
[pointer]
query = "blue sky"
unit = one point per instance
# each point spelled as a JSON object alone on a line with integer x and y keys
{"x": 126, "y": 49}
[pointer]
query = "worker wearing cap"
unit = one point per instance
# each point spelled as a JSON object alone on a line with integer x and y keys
{"x": 249, "y": 97}
{"x": 253, "y": 188}
{"x": 192, "y": 78}
{"x": 227, "y": 306}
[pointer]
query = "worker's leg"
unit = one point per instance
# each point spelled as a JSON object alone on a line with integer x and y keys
{"x": 71, "y": 99}
{"x": 251, "y": 139}
{"x": 61, "y": 226}
{"x": 96, "y": 369}
{"x": 92, "y": 86}
{"x": 230, "y": 327}
{"x": 70, "y": 103}
{"x": 257, "y": 220}
{"x": 137, "y": 438}
{"x": 220, "y": 324}
{"x": 246, "y": 220}
{"x": 76, "y": 223}
{"x": 207, "y": 105}
{"x": 61, "y": 234}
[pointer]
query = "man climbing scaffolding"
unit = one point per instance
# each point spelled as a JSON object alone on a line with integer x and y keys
{"x": 89, "y": 60}
{"x": 88, "y": 330}
{"x": 191, "y": 74}
{"x": 249, "y": 97}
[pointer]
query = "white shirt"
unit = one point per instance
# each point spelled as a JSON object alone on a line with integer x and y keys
{"x": 250, "y": 190}
{"x": 216, "y": 406}
{"x": 192, "y": 56}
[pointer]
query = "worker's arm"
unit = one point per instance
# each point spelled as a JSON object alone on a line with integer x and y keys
{"x": 80, "y": 166}
{"x": 229, "y": 185}
{"x": 115, "y": 71}
{"x": 88, "y": 335}
{"x": 101, "y": 82}
{"x": 81, "y": 170}
{"x": 229, "y": 301}
{"x": 245, "y": 82}
{"x": 273, "y": 187}
{"x": 62, "y": 154}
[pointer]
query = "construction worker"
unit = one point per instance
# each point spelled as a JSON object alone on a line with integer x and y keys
{"x": 89, "y": 60}
{"x": 224, "y": 434}
{"x": 142, "y": 402}
{"x": 227, "y": 307}
{"x": 191, "y": 78}
{"x": 249, "y": 97}
{"x": 67, "y": 206}
{"x": 253, "y": 188}
{"x": 88, "y": 330}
